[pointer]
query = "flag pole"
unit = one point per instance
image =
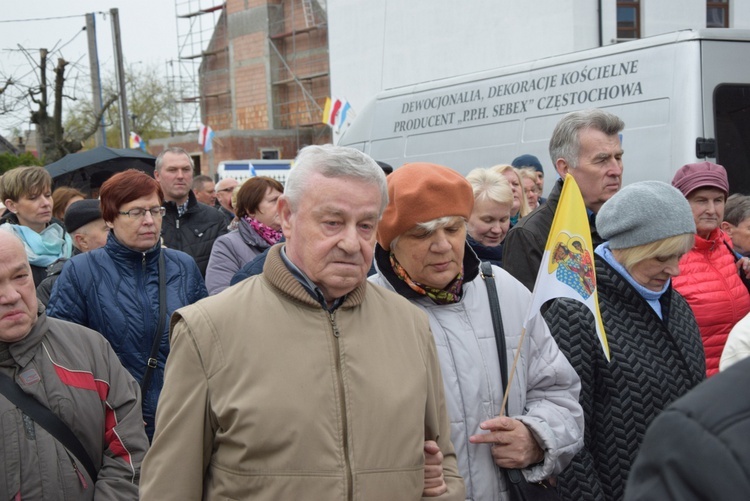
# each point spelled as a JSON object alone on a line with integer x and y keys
{"x": 506, "y": 392}
{"x": 211, "y": 166}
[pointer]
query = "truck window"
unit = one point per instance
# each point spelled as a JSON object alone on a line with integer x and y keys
{"x": 732, "y": 127}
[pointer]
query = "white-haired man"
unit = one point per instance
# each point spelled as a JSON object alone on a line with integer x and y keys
{"x": 224, "y": 189}
{"x": 305, "y": 382}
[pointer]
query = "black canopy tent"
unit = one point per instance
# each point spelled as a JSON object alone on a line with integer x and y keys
{"x": 87, "y": 171}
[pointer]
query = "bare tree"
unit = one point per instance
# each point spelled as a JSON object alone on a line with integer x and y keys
{"x": 8, "y": 83}
{"x": 51, "y": 136}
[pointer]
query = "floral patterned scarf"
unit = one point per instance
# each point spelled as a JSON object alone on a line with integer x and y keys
{"x": 266, "y": 232}
{"x": 450, "y": 294}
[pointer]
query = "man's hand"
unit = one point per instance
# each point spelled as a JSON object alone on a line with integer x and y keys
{"x": 513, "y": 445}
{"x": 434, "y": 482}
{"x": 743, "y": 265}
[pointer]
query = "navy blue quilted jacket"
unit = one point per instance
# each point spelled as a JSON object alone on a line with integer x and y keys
{"x": 115, "y": 291}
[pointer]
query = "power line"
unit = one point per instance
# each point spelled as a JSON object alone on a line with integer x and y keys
{"x": 57, "y": 49}
{"x": 39, "y": 19}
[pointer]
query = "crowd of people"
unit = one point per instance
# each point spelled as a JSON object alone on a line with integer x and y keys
{"x": 361, "y": 332}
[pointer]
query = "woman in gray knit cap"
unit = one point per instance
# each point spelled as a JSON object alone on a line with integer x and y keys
{"x": 655, "y": 345}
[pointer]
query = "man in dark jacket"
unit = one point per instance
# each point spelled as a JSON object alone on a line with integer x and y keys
{"x": 188, "y": 226}
{"x": 586, "y": 145}
{"x": 73, "y": 372}
{"x": 205, "y": 190}
{"x": 699, "y": 447}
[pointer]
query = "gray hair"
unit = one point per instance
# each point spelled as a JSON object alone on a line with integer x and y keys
{"x": 737, "y": 209}
{"x": 490, "y": 185}
{"x": 333, "y": 162}
{"x": 565, "y": 142}
{"x": 434, "y": 225}
{"x": 177, "y": 151}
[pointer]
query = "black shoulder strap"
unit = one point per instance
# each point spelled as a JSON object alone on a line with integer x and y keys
{"x": 154, "y": 356}
{"x": 731, "y": 251}
{"x": 514, "y": 476}
{"x": 497, "y": 320}
{"x": 47, "y": 420}
{"x": 736, "y": 257}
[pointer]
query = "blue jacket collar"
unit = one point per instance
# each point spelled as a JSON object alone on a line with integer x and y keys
{"x": 120, "y": 252}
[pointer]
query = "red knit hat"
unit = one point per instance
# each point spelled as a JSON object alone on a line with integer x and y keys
{"x": 421, "y": 192}
{"x": 690, "y": 177}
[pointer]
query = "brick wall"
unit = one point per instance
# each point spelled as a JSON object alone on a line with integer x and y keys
{"x": 250, "y": 67}
{"x": 216, "y": 102}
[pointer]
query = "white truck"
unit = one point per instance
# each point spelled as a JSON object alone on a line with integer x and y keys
{"x": 684, "y": 97}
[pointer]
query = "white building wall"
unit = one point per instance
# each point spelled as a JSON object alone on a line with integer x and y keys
{"x": 356, "y": 36}
{"x": 383, "y": 44}
{"x": 739, "y": 14}
{"x": 663, "y": 16}
{"x": 379, "y": 44}
{"x": 432, "y": 39}
{"x": 585, "y": 25}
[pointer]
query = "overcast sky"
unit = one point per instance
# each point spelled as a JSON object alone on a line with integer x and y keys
{"x": 148, "y": 32}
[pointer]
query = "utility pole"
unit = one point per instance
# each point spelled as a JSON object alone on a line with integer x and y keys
{"x": 120, "y": 71}
{"x": 96, "y": 83}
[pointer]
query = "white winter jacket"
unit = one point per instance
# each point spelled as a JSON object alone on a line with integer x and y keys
{"x": 737, "y": 346}
{"x": 545, "y": 388}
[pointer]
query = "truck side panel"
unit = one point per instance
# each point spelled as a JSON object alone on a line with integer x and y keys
{"x": 492, "y": 117}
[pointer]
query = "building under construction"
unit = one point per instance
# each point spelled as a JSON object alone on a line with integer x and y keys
{"x": 256, "y": 72}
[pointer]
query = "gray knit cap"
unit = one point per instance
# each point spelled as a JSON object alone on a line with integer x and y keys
{"x": 644, "y": 212}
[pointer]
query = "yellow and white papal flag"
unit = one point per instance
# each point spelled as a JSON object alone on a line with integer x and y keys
{"x": 567, "y": 268}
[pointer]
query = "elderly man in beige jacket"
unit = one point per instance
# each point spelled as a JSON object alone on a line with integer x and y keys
{"x": 306, "y": 382}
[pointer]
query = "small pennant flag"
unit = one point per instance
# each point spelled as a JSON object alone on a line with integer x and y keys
{"x": 344, "y": 111}
{"x": 567, "y": 268}
{"x": 137, "y": 142}
{"x": 326, "y": 111}
{"x": 335, "y": 111}
{"x": 335, "y": 108}
{"x": 206, "y": 137}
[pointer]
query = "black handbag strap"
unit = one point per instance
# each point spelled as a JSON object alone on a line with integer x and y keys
{"x": 732, "y": 252}
{"x": 743, "y": 278}
{"x": 153, "y": 357}
{"x": 513, "y": 475}
{"x": 47, "y": 420}
{"x": 497, "y": 321}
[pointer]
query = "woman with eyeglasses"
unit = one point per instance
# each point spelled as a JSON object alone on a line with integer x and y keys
{"x": 115, "y": 290}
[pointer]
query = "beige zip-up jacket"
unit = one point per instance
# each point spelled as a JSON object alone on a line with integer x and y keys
{"x": 268, "y": 396}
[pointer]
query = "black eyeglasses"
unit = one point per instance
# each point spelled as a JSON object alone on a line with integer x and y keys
{"x": 139, "y": 212}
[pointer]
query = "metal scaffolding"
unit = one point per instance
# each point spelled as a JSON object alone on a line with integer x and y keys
{"x": 196, "y": 22}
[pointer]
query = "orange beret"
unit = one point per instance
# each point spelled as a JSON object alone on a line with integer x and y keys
{"x": 421, "y": 192}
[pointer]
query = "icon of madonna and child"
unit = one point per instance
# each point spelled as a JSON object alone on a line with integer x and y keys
{"x": 572, "y": 264}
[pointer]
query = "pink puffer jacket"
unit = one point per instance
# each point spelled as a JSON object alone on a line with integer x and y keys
{"x": 710, "y": 283}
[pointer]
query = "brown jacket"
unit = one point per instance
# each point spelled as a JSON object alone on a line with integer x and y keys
{"x": 268, "y": 396}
